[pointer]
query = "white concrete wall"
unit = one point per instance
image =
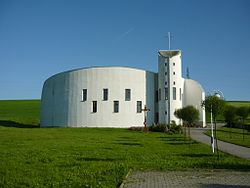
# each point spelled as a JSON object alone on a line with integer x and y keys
{"x": 170, "y": 75}
{"x": 62, "y": 103}
{"x": 194, "y": 95}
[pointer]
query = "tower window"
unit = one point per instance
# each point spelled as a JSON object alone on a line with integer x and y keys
{"x": 174, "y": 83}
{"x": 138, "y": 106}
{"x": 127, "y": 94}
{"x": 159, "y": 95}
{"x": 166, "y": 73}
{"x": 116, "y": 106}
{"x": 174, "y": 93}
{"x": 156, "y": 96}
{"x": 173, "y": 64}
{"x": 94, "y": 106}
{"x": 84, "y": 94}
{"x": 166, "y": 83}
{"x": 166, "y": 93}
{"x": 105, "y": 94}
{"x": 180, "y": 94}
{"x": 174, "y": 73}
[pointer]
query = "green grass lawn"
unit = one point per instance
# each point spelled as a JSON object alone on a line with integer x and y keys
{"x": 81, "y": 157}
{"x": 88, "y": 157}
{"x": 233, "y": 135}
{"x": 20, "y": 112}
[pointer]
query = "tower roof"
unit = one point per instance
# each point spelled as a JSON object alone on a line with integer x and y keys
{"x": 169, "y": 53}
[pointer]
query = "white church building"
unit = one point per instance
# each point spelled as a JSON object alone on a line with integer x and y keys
{"x": 114, "y": 96}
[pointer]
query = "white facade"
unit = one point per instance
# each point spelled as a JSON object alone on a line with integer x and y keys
{"x": 114, "y": 96}
{"x": 63, "y": 104}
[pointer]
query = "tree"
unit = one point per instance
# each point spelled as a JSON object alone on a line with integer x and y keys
{"x": 189, "y": 115}
{"x": 215, "y": 105}
{"x": 230, "y": 116}
{"x": 243, "y": 112}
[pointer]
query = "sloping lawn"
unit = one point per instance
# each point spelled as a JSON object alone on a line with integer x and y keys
{"x": 233, "y": 135}
{"x": 54, "y": 157}
{"x": 84, "y": 157}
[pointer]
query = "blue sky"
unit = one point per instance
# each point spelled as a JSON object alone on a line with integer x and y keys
{"x": 39, "y": 38}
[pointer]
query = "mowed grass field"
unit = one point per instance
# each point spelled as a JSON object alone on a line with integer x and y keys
{"x": 91, "y": 157}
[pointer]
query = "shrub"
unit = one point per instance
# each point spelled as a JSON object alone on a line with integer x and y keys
{"x": 174, "y": 128}
{"x": 136, "y": 128}
{"x": 158, "y": 128}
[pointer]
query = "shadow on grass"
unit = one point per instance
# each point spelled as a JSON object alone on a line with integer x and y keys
{"x": 181, "y": 143}
{"x": 97, "y": 159}
{"x": 129, "y": 144}
{"x": 6, "y": 123}
{"x": 223, "y": 186}
{"x": 197, "y": 155}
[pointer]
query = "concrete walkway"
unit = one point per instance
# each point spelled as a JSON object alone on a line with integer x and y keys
{"x": 196, "y": 178}
{"x": 189, "y": 179}
{"x": 240, "y": 151}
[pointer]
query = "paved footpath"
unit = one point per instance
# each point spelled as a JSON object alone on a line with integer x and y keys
{"x": 243, "y": 152}
{"x": 195, "y": 179}
{"x": 189, "y": 179}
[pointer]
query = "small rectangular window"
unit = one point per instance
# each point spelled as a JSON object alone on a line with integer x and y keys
{"x": 127, "y": 94}
{"x": 180, "y": 94}
{"x": 105, "y": 94}
{"x": 159, "y": 95}
{"x": 116, "y": 106}
{"x": 174, "y": 73}
{"x": 156, "y": 96}
{"x": 94, "y": 106}
{"x": 138, "y": 106}
{"x": 84, "y": 94}
{"x": 173, "y": 64}
{"x": 174, "y": 93}
{"x": 166, "y": 93}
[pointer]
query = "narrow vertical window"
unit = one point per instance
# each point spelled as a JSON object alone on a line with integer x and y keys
{"x": 105, "y": 94}
{"x": 127, "y": 94}
{"x": 156, "y": 96}
{"x": 94, "y": 106}
{"x": 116, "y": 106}
{"x": 174, "y": 93}
{"x": 166, "y": 93}
{"x": 138, "y": 106}
{"x": 174, "y": 73}
{"x": 173, "y": 64}
{"x": 84, "y": 94}
{"x": 174, "y": 83}
{"x": 180, "y": 94}
{"x": 159, "y": 95}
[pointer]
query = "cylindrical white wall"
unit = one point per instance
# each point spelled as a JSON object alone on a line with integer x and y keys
{"x": 62, "y": 103}
{"x": 170, "y": 77}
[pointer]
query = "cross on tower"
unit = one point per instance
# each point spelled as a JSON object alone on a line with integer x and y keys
{"x": 145, "y": 110}
{"x": 169, "y": 40}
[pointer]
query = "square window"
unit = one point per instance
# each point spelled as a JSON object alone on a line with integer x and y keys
{"x": 84, "y": 94}
{"x": 116, "y": 106}
{"x": 174, "y": 93}
{"x": 94, "y": 106}
{"x": 138, "y": 106}
{"x": 127, "y": 94}
{"x": 105, "y": 94}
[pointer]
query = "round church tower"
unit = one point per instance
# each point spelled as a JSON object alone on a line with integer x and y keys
{"x": 170, "y": 84}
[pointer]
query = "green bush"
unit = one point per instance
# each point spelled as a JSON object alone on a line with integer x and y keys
{"x": 158, "y": 128}
{"x": 174, "y": 128}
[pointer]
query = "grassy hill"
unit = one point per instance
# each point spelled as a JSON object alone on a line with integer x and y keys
{"x": 20, "y": 112}
{"x": 90, "y": 157}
